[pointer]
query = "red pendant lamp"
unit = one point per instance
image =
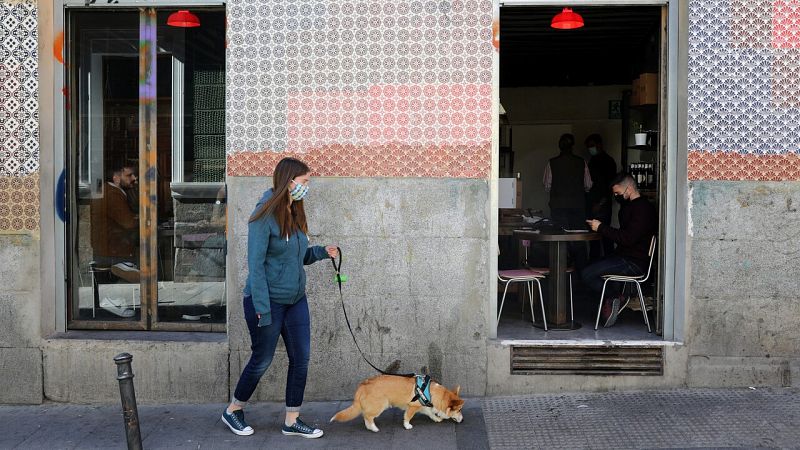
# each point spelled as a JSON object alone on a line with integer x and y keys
{"x": 567, "y": 20}
{"x": 183, "y": 19}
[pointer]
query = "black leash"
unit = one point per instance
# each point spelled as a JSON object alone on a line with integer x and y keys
{"x": 339, "y": 280}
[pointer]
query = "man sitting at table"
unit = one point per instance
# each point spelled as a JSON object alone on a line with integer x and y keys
{"x": 638, "y": 222}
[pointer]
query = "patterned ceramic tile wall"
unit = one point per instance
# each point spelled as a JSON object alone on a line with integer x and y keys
{"x": 19, "y": 117}
{"x": 744, "y": 89}
{"x": 378, "y": 88}
{"x": 19, "y": 203}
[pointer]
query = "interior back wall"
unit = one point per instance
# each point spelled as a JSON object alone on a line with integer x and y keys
{"x": 539, "y": 115}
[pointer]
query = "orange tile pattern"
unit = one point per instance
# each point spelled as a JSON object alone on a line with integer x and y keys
{"x": 394, "y": 160}
{"x": 741, "y": 166}
{"x": 19, "y": 203}
{"x": 361, "y": 88}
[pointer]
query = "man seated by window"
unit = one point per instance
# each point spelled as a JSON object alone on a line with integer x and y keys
{"x": 115, "y": 227}
{"x": 638, "y": 223}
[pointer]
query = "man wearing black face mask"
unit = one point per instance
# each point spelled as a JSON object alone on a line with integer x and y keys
{"x": 638, "y": 222}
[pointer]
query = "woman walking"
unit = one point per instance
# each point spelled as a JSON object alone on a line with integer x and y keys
{"x": 275, "y": 301}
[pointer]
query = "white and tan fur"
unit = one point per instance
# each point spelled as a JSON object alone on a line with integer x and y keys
{"x": 376, "y": 394}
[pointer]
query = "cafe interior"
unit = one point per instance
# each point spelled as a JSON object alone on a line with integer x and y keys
{"x": 595, "y": 73}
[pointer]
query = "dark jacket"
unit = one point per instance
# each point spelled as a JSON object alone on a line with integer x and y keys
{"x": 275, "y": 263}
{"x": 638, "y": 223}
{"x": 567, "y": 188}
{"x": 603, "y": 169}
{"x": 114, "y": 226}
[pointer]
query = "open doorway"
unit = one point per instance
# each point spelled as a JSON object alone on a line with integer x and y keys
{"x": 602, "y": 86}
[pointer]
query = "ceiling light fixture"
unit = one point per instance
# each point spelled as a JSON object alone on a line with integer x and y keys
{"x": 183, "y": 19}
{"x": 567, "y": 20}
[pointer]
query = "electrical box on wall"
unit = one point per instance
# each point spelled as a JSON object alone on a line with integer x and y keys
{"x": 510, "y": 193}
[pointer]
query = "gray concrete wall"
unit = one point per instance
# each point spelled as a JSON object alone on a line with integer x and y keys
{"x": 743, "y": 317}
{"x": 171, "y": 371}
{"x": 20, "y": 300}
{"x": 416, "y": 252}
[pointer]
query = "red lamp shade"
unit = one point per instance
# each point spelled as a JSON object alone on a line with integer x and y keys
{"x": 183, "y": 19}
{"x": 567, "y": 20}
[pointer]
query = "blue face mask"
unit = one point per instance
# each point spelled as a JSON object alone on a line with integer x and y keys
{"x": 298, "y": 191}
{"x": 593, "y": 151}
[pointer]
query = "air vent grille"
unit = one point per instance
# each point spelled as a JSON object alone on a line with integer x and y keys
{"x": 588, "y": 360}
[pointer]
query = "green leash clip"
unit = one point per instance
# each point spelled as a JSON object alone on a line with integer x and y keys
{"x": 339, "y": 278}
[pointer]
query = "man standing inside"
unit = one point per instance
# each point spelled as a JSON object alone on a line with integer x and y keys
{"x": 638, "y": 223}
{"x": 115, "y": 226}
{"x": 602, "y": 169}
{"x": 567, "y": 179}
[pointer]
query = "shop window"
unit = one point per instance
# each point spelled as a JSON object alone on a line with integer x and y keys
{"x": 147, "y": 241}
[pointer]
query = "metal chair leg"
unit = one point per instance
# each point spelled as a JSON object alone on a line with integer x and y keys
{"x": 95, "y": 290}
{"x": 541, "y": 303}
{"x": 522, "y": 299}
{"x": 530, "y": 298}
{"x": 600, "y": 308}
{"x": 571, "y": 308}
{"x": 627, "y": 298}
{"x": 644, "y": 308}
{"x": 500, "y": 312}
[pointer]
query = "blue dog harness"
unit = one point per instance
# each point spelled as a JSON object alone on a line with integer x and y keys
{"x": 422, "y": 390}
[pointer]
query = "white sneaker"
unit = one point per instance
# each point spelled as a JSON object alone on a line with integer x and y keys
{"x": 301, "y": 429}
{"x": 127, "y": 271}
{"x": 195, "y": 317}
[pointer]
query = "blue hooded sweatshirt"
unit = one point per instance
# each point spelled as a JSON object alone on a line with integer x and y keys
{"x": 275, "y": 263}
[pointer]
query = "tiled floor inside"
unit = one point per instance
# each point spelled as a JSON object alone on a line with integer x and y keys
{"x": 516, "y": 324}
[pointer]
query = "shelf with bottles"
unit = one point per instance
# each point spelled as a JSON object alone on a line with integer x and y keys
{"x": 644, "y": 174}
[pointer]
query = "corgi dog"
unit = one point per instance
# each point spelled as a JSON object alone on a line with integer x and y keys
{"x": 376, "y": 394}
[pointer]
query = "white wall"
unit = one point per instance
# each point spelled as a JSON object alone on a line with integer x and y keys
{"x": 538, "y": 116}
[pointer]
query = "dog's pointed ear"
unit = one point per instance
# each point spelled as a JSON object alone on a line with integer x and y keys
{"x": 458, "y": 389}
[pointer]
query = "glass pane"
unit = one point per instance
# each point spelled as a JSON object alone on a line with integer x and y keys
{"x": 104, "y": 148}
{"x": 191, "y": 196}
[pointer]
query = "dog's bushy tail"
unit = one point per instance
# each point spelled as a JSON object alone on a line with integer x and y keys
{"x": 346, "y": 414}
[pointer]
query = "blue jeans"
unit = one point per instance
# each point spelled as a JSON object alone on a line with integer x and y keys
{"x": 293, "y": 323}
{"x": 592, "y": 274}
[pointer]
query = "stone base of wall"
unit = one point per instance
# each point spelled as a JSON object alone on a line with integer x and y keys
{"x": 20, "y": 375}
{"x": 502, "y": 382}
{"x": 743, "y": 314}
{"x": 83, "y": 371}
{"x": 720, "y": 371}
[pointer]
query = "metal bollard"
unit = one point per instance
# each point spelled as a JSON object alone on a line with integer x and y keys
{"x": 128, "y": 397}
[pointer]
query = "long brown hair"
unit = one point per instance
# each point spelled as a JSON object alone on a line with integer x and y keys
{"x": 289, "y": 217}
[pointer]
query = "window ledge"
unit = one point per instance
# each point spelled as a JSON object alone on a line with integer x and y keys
{"x": 588, "y": 342}
{"x": 151, "y": 336}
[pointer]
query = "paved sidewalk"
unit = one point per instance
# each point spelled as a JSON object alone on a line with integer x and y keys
{"x": 685, "y": 418}
{"x": 55, "y": 426}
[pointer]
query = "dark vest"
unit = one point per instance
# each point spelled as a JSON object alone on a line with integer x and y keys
{"x": 567, "y": 190}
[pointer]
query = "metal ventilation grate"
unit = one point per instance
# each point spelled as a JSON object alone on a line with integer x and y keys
{"x": 590, "y": 360}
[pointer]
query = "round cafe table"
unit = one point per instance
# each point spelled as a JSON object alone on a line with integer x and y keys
{"x": 557, "y": 302}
